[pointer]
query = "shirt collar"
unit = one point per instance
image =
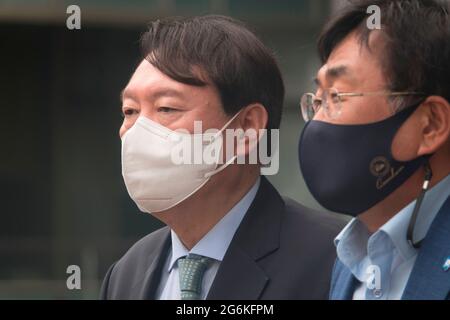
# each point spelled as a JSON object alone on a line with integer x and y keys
{"x": 353, "y": 241}
{"x": 351, "y": 246}
{"x": 215, "y": 243}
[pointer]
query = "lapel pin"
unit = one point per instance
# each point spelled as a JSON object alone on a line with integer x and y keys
{"x": 446, "y": 265}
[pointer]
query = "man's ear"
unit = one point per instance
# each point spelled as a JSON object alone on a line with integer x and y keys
{"x": 252, "y": 119}
{"x": 434, "y": 125}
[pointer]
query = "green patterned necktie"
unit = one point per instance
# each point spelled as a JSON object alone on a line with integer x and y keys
{"x": 191, "y": 271}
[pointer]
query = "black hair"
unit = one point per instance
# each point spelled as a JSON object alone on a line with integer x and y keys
{"x": 417, "y": 40}
{"x": 221, "y": 51}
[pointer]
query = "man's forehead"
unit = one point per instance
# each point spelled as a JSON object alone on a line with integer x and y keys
{"x": 352, "y": 59}
{"x": 367, "y": 45}
{"x": 152, "y": 92}
{"x": 149, "y": 82}
{"x": 146, "y": 75}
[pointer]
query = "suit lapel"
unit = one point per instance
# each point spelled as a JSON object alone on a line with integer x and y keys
{"x": 428, "y": 279}
{"x": 152, "y": 277}
{"x": 238, "y": 278}
{"x": 239, "y": 275}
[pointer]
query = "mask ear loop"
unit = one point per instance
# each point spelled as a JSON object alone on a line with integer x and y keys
{"x": 223, "y": 128}
{"x": 412, "y": 221}
{"x": 226, "y": 164}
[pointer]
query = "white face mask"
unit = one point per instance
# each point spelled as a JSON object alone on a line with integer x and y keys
{"x": 153, "y": 180}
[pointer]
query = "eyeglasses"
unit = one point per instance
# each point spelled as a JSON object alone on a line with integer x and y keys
{"x": 331, "y": 101}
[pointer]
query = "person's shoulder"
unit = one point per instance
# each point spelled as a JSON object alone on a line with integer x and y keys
{"x": 314, "y": 220}
{"x": 126, "y": 274}
{"x": 149, "y": 242}
{"x": 143, "y": 252}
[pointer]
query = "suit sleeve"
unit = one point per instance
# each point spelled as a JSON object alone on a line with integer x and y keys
{"x": 105, "y": 284}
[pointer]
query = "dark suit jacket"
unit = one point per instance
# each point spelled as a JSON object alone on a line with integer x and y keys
{"x": 281, "y": 250}
{"x": 428, "y": 279}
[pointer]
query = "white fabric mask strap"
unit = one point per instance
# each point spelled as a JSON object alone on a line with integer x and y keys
{"x": 226, "y": 164}
{"x": 227, "y": 124}
{"x": 211, "y": 173}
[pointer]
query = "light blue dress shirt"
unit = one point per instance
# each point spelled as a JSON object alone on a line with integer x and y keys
{"x": 213, "y": 245}
{"x": 383, "y": 261}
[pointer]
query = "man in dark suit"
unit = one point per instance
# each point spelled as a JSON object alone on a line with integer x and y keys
{"x": 280, "y": 251}
{"x": 229, "y": 234}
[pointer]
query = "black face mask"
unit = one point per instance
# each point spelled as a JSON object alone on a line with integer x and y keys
{"x": 350, "y": 168}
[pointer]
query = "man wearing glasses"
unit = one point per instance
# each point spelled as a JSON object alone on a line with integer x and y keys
{"x": 376, "y": 146}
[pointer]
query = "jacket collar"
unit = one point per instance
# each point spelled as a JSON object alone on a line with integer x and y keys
{"x": 429, "y": 279}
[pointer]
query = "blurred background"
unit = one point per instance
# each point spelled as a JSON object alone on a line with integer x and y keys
{"x": 63, "y": 200}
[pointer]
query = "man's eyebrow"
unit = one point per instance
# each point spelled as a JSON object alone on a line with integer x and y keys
{"x": 163, "y": 92}
{"x": 336, "y": 72}
{"x": 332, "y": 74}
